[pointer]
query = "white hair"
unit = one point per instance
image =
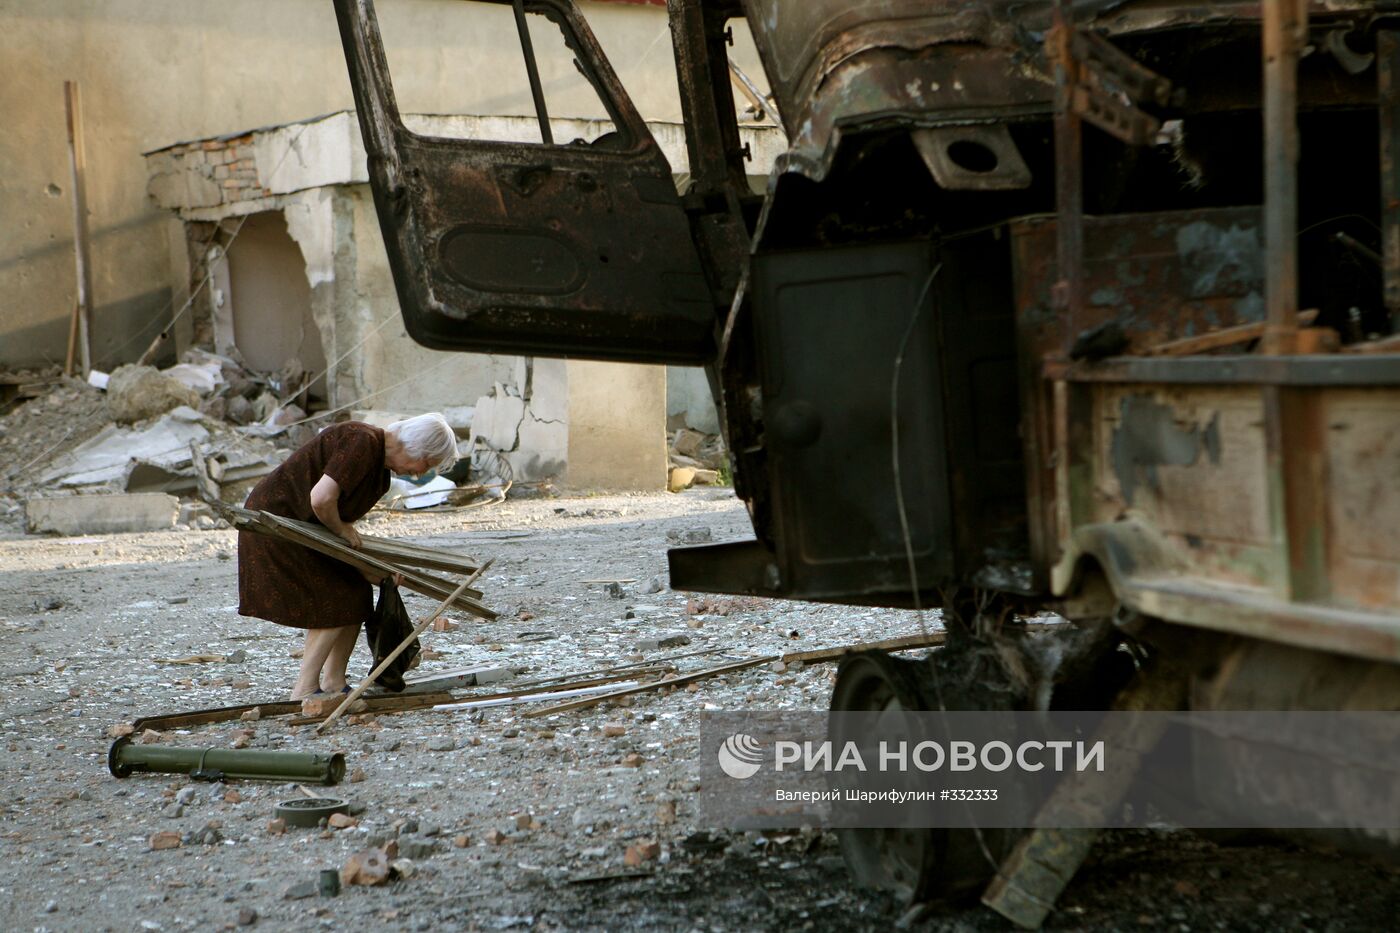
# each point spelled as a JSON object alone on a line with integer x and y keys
{"x": 429, "y": 437}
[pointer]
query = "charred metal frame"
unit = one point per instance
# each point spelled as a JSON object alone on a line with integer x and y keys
{"x": 892, "y": 73}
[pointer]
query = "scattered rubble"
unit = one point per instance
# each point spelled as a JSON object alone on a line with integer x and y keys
{"x": 137, "y": 393}
{"x": 527, "y": 816}
{"x": 696, "y": 459}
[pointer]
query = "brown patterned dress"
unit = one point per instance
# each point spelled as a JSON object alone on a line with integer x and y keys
{"x": 296, "y": 586}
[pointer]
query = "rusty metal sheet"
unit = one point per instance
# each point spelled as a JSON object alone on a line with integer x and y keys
{"x": 575, "y": 250}
{"x": 835, "y": 66}
{"x": 1156, "y": 277}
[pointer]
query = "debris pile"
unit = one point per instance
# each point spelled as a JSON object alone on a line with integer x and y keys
{"x": 696, "y": 459}
{"x": 128, "y": 437}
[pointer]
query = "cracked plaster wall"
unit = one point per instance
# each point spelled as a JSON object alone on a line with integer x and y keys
{"x": 154, "y": 73}
{"x": 617, "y": 426}
{"x": 389, "y": 370}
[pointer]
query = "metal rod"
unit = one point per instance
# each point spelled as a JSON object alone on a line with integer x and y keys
{"x": 1069, "y": 172}
{"x": 750, "y": 90}
{"x": 1285, "y": 30}
{"x": 536, "y": 90}
{"x": 77, "y": 163}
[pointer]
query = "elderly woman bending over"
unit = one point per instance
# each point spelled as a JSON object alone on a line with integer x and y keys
{"x": 334, "y": 479}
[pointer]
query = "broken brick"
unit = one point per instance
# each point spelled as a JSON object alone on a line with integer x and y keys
{"x": 341, "y": 821}
{"x": 276, "y": 827}
{"x": 368, "y": 866}
{"x": 166, "y": 839}
{"x": 461, "y": 842}
{"x": 643, "y": 851}
{"x": 495, "y": 837}
{"x": 612, "y": 730}
{"x": 633, "y": 760}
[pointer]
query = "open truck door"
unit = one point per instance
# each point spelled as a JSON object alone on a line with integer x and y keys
{"x": 556, "y": 247}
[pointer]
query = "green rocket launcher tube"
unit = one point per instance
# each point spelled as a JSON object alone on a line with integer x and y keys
{"x": 217, "y": 764}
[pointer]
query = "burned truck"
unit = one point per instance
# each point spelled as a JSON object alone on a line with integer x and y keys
{"x": 1077, "y": 308}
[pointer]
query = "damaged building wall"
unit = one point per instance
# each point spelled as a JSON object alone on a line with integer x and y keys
{"x": 617, "y": 417}
{"x": 390, "y": 370}
{"x": 310, "y": 178}
{"x": 192, "y": 70}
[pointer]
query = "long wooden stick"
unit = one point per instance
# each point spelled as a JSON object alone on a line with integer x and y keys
{"x": 77, "y": 165}
{"x": 930, "y": 640}
{"x": 654, "y": 685}
{"x": 403, "y": 645}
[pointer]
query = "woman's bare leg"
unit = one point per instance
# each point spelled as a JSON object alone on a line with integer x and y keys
{"x": 338, "y": 659}
{"x": 319, "y": 643}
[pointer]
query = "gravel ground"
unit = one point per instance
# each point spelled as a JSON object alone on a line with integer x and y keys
{"x": 511, "y": 823}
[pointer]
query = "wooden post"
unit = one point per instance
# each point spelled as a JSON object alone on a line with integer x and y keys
{"x": 1285, "y": 34}
{"x": 77, "y": 163}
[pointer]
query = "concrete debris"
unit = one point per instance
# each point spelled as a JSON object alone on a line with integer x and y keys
{"x": 108, "y": 457}
{"x": 113, "y": 514}
{"x": 688, "y": 535}
{"x": 641, "y": 852}
{"x": 136, "y": 393}
{"x": 417, "y": 849}
{"x": 695, "y": 460}
{"x": 301, "y": 890}
{"x": 672, "y": 640}
{"x": 679, "y": 478}
{"x": 203, "y": 378}
{"x": 366, "y": 867}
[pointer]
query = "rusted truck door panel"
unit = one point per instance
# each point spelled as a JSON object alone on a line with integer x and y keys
{"x": 564, "y": 249}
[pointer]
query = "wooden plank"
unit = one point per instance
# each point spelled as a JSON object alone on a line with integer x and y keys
{"x": 931, "y": 639}
{"x": 397, "y": 703}
{"x": 556, "y": 694}
{"x": 304, "y": 532}
{"x": 1217, "y": 339}
{"x": 655, "y": 685}
{"x": 908, "y": 642}
{"x": 1384, "y": 345}
{"x": 332, "y": 546}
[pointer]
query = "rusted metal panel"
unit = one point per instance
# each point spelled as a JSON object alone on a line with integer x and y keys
{"x": 1388, "y": 108}
{"x": 717, "y": 174}
{"x": 1149, "y": 577}
{"x": 564, "y": 250}
{"x": 835, "y": 66}
{"x": 1156, "y": 277}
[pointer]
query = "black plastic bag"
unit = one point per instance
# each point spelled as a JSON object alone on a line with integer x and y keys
{"x": 384, "y": 631}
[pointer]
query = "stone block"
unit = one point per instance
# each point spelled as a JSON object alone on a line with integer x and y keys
{"x": 112, "y": 514}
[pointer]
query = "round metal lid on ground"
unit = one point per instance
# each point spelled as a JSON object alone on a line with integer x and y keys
{"x": 310, "y": 811}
